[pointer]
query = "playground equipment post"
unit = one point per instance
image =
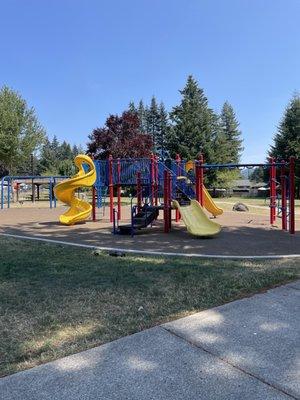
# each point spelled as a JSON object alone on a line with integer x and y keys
{"x": 152, "y": 177}
{"x": 178, "y": 161}
{"x": 156, "y": 179}
{"x": 119, "y": 188}
{"x": 111, "y": 188}
{"x": 139, "y": 191}
{"x": 292, "y": 195}
{"x": 283, "y": 196}
{"x": 272, "y": 191}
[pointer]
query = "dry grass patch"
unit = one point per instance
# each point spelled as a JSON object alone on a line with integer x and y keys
{"x": 58, "y": 300}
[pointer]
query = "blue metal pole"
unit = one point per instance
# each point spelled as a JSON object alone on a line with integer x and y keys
{"x": 8, "y": 192}
{"x": 2, "y": 193}
{"x": 50, "y": 192}
{"x": 54, "y": 183}
{"x": 131, "y": 228}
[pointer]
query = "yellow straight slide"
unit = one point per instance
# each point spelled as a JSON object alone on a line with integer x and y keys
{"x": 196, "y": 220}
{"x": 209, "y": 204}
{"x": 64, "y": 191}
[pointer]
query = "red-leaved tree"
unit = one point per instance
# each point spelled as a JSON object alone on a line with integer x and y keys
{"x": 120, "y": 137}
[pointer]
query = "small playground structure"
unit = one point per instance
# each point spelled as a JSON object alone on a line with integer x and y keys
{"x": 159, "y": 186}
{"x": 21, "y": 188}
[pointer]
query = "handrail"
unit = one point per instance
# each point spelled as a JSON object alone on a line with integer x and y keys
{"x": 14, "y": 177}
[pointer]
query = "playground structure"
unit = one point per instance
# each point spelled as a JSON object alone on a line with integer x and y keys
{"x": 166, "y": 185}
{"x": 159, "y": 186}
{"x": 173, "y": 184}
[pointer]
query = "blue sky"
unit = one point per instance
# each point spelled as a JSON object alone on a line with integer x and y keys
{"x": 77, "y": 61}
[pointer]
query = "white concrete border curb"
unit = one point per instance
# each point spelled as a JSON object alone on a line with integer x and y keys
{"x": 152, "y": 253}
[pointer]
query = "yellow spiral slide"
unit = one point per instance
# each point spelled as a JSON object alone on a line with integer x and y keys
{"x": 64, "y": 191}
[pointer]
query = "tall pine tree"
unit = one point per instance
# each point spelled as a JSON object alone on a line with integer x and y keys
{"x": 287, "y": 137}
{"x": 131, "y": 106}
{"x": 142, "y": 115}
{"x": 164, "y": 128}
{"x": 153, "y": 123}
{"x": 195, "y": 125}
{"x": 230, "y": 135}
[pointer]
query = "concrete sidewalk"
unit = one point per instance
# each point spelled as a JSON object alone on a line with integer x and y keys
{"x": 246, "y": 349}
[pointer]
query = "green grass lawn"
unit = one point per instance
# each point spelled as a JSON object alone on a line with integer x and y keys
{"x": 57, "y": 300}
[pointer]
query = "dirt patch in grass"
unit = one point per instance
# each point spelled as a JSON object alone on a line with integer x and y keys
{"x": 58, "y": 300}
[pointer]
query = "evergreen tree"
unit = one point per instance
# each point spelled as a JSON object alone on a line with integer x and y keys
{"x": 48, "y": 158}
{"x": 164, "y": 128}
{"x": 56, "y": 158}
{"x": 287, "y": 137}
{"x": 230, "y": 135}
{"x": 195, "y": 125}
{"x": 75, "y": 151}
{"x": 153, "y": 123}
{"x": 142, "y": 115}
{"x": 65, "y": 151}
{"x": 131, "y": 107}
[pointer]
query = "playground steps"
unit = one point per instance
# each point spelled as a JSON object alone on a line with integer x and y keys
{"x": 141, "y": 220}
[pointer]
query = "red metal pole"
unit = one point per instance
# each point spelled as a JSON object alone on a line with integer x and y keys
{"x": 119, "y": 189}
{"x": 139, "y": 191}
{"x": 152, "y": 177}
{"x": 272, "y": 191}
{"x": 201, "y": 180}
{"x": 111, "y": 188}
{"x": 93, "y": 198}
{"x": 197, "y": 177}
{"x": 166, "y": 208}
{"x": 156, "y": 178}
{"x": 94, "y": 203}
{"x": 292, "y": 195}
{"x": 283, "y": 197}
{"x": 178, "y": 162}
{"x": 170, "y": 199}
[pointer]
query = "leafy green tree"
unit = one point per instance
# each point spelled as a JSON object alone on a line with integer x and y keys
{"x": 224, "y": 179}
{"x": 195, "y": 125}
{"x": 231, "y": 135}
{"x": 287, "y": 138}
{"x": 66, "y": 167}
{"x": 21, "y": 134}
{"x": 257, "y": 175}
